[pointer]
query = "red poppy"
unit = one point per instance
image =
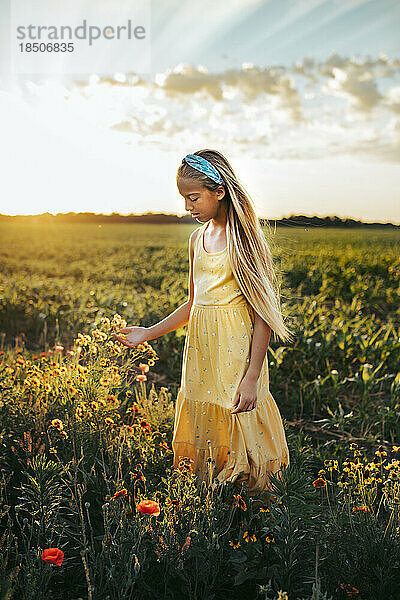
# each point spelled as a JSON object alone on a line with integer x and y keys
{"x": 53, "y": 556}
{"x": 148, "y": 507}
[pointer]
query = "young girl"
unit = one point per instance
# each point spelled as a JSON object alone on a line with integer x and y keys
{"x": 226, "y": 421}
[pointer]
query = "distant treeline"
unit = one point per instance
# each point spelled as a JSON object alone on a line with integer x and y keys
{"x": 160, "y": 218}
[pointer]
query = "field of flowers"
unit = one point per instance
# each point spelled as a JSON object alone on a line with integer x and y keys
{"x": 90, "y": 505}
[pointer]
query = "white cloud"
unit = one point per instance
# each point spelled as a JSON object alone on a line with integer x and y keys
{"x": 264, "y": 112}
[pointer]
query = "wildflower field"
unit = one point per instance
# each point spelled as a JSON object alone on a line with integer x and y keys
{"x": 90, "y": 505}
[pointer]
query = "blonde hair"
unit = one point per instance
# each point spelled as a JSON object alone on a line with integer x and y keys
{"x": 249, "y": 254}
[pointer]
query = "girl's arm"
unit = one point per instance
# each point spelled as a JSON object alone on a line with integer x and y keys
{"x": 179, "y": 318}
{"x": 259, "y": 346}
{"x": 246, "y": 395}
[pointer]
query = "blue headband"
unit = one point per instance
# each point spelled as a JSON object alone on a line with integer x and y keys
{"x": 204, "y": 166}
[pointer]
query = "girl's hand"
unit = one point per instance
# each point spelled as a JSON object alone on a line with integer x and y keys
{"x": 247, "y": 394}
{"x": 135, "y": 336}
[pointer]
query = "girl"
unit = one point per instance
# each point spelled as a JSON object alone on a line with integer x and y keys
{"x": 226, "y": 421}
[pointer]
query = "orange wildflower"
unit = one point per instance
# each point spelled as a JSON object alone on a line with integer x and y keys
{"x": 239, "y": 502}
{"x": 363, "y": 509}
{"x": 186, "y": 544}
{"x": 145, "y": 426}
{"x": 148, "y": 507}
{"x": 121, "y": 494}
{"x": 54, "y": 556}
{"x": 318, "y": 483}
{"x": 349, "y": 589}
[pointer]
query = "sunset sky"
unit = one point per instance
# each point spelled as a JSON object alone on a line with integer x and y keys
{"x": 303, "y": 98}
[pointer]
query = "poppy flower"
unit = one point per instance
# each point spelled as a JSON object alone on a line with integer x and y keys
{"x": 54, "y": 556}
{"x": 148, "y": 507}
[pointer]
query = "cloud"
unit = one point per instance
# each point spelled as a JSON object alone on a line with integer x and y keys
{"x": 263, "y": 112}
{"x": 249, "y": 81}
{"x": 356, "y": 81}
{"x": 391, "y": 99}
{"x": 384, "y": 145}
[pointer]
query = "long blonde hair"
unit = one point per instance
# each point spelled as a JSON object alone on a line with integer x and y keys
{"x": 248, "y": 251}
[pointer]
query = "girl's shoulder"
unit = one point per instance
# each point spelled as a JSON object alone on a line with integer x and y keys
{"x": 195, "y": 234}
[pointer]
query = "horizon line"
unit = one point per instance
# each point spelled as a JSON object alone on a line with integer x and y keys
{"x": 184, "y": 215}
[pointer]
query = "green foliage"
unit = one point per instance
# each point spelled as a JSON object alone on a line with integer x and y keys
{"x": 65, "y": 455}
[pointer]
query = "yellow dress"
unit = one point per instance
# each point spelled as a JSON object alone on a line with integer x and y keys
{"x": 244, "y": 446}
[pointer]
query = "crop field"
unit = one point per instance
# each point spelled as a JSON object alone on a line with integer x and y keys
{"x": 90, "y": 505}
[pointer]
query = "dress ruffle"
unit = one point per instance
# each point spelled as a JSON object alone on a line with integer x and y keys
{"x": 223, "y": 446}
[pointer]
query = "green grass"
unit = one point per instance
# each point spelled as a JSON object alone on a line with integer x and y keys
{"x": 337, "y": 384}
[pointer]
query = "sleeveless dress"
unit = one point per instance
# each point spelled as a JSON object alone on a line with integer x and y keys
{"x": 243, "y": 447}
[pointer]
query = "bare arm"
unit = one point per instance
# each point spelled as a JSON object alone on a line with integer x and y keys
{"x": 179, "y": 318}
{"x": 246, "y": 395}
{"x": 259, "y": 346}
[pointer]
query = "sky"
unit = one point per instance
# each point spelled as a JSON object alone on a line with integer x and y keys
{"x": 302, "y": 97}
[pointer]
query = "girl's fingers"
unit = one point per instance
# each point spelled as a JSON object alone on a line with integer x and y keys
{"x": 236, "y": 399}
{"x": 245, "y": 406}
{"x": 240, "y": 408}
{"x": 122, "y": 341}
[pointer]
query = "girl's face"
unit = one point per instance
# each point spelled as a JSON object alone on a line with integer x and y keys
{"x": 199, "y": 201}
